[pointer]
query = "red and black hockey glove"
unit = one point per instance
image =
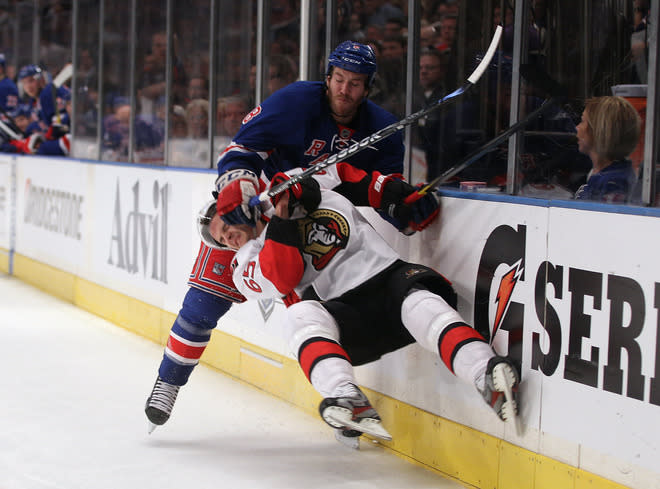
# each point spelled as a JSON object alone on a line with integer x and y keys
{"x": 28, "y": 145}
{"x": 425, "y": 208}
{"x": 234, "y": 189}
{"x": 306, "y": 193}
{"x": 407, "y": 209}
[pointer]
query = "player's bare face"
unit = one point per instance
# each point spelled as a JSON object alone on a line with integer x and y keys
{"x": 346, "y": 90}
{"x": 31, "y": 86}
{"x": 233, "y": 236}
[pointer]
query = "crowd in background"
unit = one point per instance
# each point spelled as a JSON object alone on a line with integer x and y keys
{"x": 190, "y": 122}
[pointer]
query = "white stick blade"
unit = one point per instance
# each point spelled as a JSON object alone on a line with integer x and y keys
{"x": 476, "y": 74}
{"x": 63, "y": 76}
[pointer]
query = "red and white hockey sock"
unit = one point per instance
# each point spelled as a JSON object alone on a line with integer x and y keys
{"x": 439, "y": 328}
{"x": 327, "y": 366}
{"x": 470, "y": 362}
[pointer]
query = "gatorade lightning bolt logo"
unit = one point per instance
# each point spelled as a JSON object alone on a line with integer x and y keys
{"x": 507, "y": 284}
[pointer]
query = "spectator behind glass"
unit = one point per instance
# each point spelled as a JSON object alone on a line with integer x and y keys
{"x": 151, "y": 80}
{"x": 115, "y": 130}
{"x": 378, "y": 11}
{"x": 229, "y": 113}
{"x": 639, "y": 42}
{"x": 432, "y": 71}
{"x": 608, "y": 133}
{"x": 392, "y": 72}
{"x": 192, "y": 150}
{"x": 148, "y": 137}
{"x": 197, "y": 118}
{"x": 355, "y": 28}
{"x": 447, "y": 28}
{"x": 282, "y": 72}
{"x": 394, "y": 26}
{"x": 198, "y": 87}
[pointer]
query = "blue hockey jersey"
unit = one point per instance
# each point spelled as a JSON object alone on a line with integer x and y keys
{"x": 293, "y": 128}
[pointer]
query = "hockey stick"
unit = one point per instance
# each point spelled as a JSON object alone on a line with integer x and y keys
{"x": 61, "y": 78}
{"x": 479, "y": 152}
{"x": 536, "y": 77}
{"x": 9, "y": 131}
{"x": 12, "y": 123}
{"x": 386, "y": 131}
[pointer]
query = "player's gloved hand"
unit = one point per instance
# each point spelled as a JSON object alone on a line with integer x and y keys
{"x": 234, "y": 189}
{"x": 425, "y": 208}
{"x": 305, "y": 193}
{"x": 386, "y": 194}
{"x": 28, "y": 145}
{"x": 57, "y": 129}
{"x": 409, "y": 210}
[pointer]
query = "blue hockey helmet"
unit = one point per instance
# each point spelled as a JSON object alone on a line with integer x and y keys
{"x": 24, "y": 110}
{"x": 29, "y": 70}
{"x": 355, "y": 57}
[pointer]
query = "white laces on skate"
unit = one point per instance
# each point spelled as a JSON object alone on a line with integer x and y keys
{"x": 160, "y": 403}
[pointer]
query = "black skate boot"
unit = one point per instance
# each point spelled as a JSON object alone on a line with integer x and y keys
{"x": 160, "y": 403}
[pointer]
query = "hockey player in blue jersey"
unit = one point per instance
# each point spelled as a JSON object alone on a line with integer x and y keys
{"x": 32, "y": 80}
{"x": 54, "y": 116}
{"x": 8, "y": 89}
{"x": 296, "y": 127}
{"x": 306, "y": 122}
{"x": 48, "y": 133}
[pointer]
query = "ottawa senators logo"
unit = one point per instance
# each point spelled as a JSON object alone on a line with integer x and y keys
{"x": 324, "y": 233}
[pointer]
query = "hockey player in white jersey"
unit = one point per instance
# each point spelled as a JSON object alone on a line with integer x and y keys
{"x": 296, "y": 127}
{"x": 352, "y": 299}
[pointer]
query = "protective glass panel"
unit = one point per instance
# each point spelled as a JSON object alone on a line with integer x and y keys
{"x": 151, "y": 76}
{"x": 568, "y": 64}
{"x": 85, "y": 110}
{"x": 454, "y": 37}
{"x": 189, "y": 119}
{"x": 235, "y": 77}
{"x": 116, "y": 93}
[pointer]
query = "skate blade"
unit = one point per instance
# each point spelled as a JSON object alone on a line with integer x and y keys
{"x": 352, "y": 442}
{"x": 368, "y": 426}
{"x": 509, "y": 408}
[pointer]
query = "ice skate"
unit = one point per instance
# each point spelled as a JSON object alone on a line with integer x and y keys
{"x": 353, "y": 412}
{"x": 160, "y": 403}
{"x": 501, "y": 388}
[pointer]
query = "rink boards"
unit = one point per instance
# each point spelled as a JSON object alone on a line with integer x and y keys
{"x": 572, "y": 293}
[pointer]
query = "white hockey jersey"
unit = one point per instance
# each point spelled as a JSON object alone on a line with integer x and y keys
{"x": 340, "y": 251}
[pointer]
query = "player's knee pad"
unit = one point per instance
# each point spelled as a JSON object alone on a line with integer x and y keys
{"x": 306, "y": 320}
{"x": 426, "y": 315}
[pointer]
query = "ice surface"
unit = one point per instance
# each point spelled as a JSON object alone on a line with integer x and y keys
{"x": 72, "y": 395}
